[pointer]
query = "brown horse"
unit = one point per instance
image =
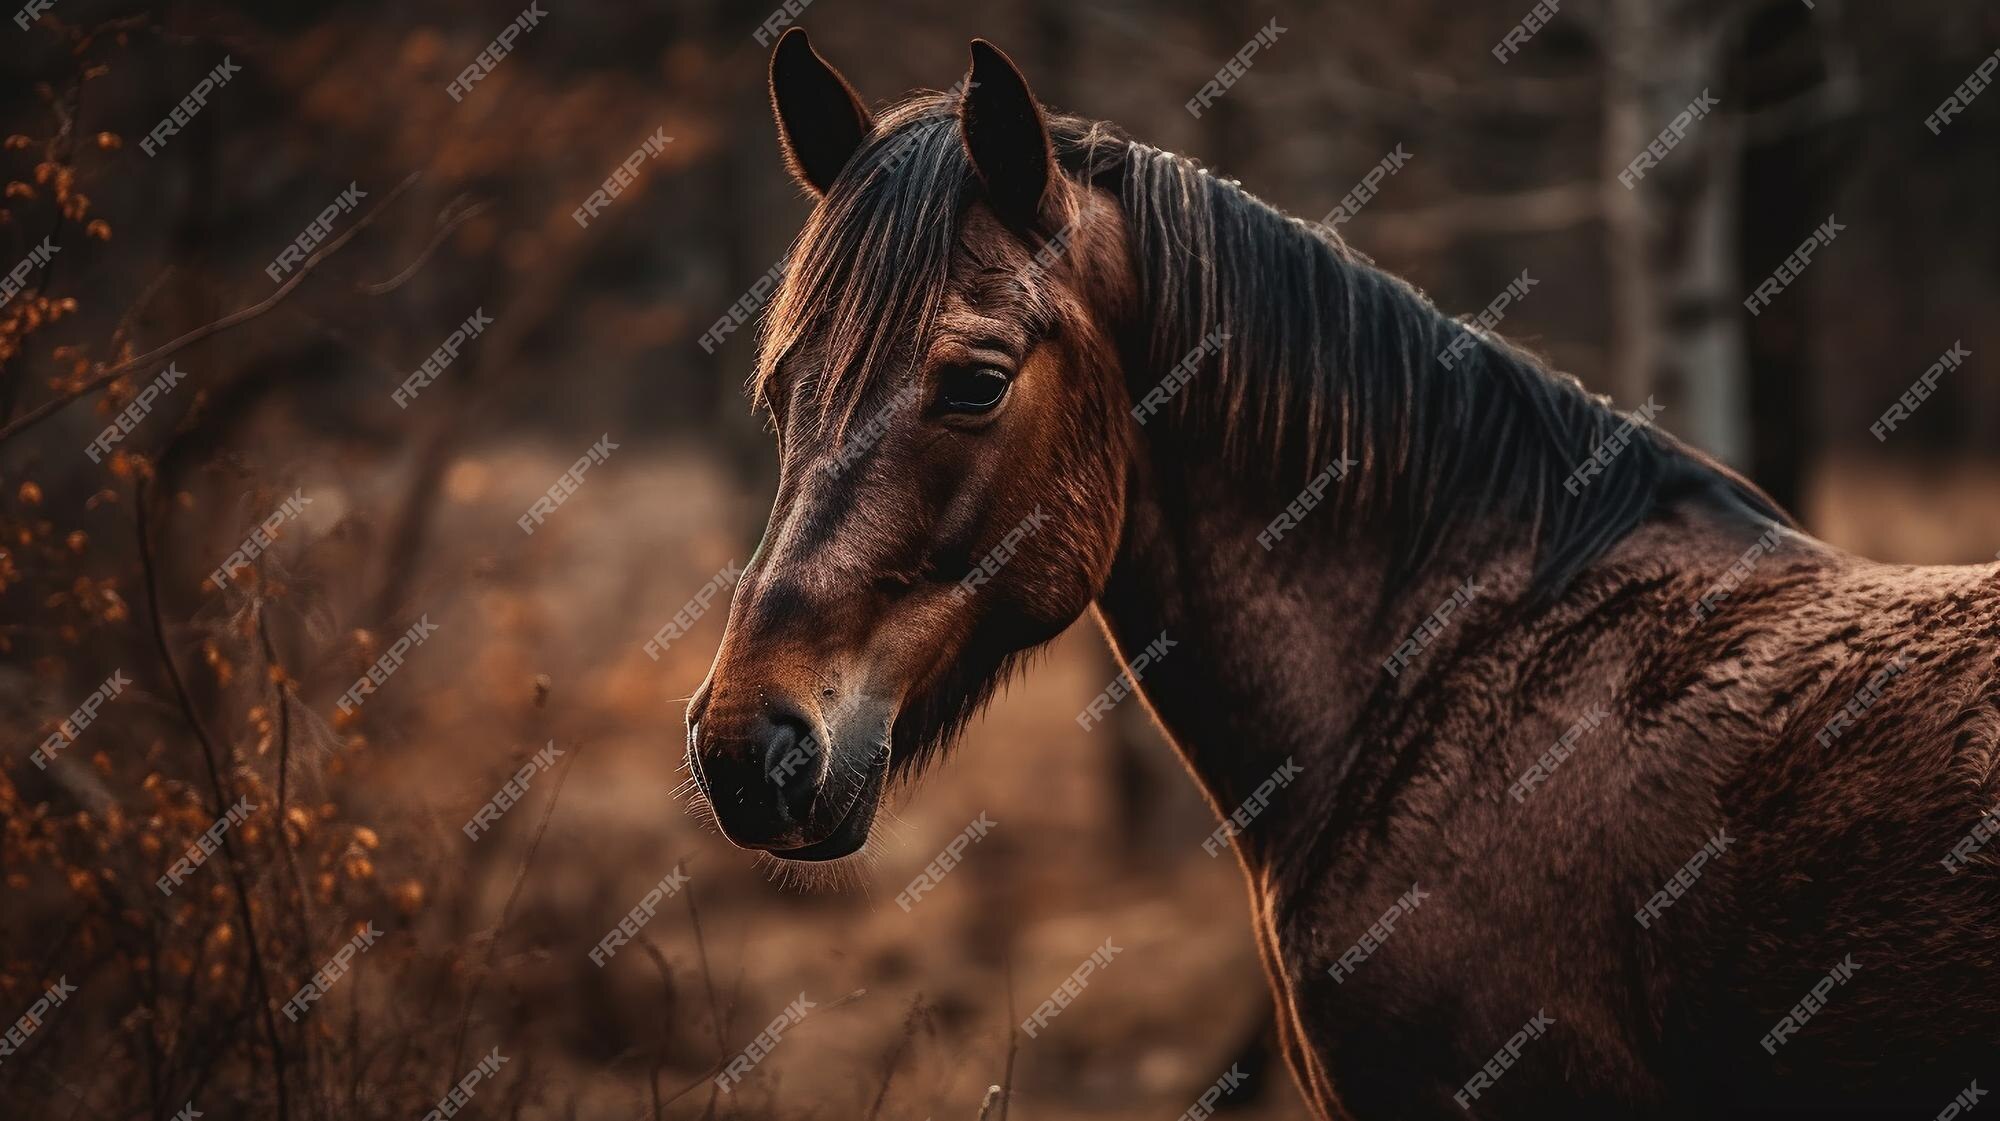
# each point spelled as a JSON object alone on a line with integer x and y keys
{"x": 1568, "y": 777}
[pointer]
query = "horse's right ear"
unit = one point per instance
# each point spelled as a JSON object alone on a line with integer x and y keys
{"x": 821, "y": 121}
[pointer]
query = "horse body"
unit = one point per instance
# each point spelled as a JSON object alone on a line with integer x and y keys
{"x": 1605, "y": 791}
{"x": 1833, "y": 851}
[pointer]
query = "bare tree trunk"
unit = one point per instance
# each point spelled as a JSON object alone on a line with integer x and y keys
{"x": 1788, "y": 177}
{"x": 1670, "y": 227}
{"x": 1627, "y": 223}
{"x": 1702, "y": 361}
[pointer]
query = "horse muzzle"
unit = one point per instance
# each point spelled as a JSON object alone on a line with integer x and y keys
{"x": 799, "y": 781}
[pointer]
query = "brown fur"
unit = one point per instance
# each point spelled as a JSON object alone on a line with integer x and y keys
{"x": 1713, "y": 721}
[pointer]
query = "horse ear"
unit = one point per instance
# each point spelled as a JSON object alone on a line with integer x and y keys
{"x": 1005, "y": 134}
{"x": 821, "y": 121}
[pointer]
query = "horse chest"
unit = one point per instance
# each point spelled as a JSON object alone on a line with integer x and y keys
{"x": 1401, "y": 1008}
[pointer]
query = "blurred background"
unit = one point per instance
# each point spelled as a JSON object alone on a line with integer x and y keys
{"x": 411, "y": 515}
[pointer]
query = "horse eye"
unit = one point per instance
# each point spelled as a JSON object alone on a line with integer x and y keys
{"x": 971, "y": 389}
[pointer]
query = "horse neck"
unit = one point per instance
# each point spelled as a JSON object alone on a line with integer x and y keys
{"x": 1277, "y": 651}
{"x": 1274, "y": 652}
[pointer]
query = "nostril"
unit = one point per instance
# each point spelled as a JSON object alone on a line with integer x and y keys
{"x": 791, "y": 763}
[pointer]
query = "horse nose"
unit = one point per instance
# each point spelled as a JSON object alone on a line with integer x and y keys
{"x": 762, "y": 778}
{"x": 791, "y": 763}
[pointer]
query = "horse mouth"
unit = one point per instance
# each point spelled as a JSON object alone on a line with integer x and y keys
{"x": 851, "y": 832}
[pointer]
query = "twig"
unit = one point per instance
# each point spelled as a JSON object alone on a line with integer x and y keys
{"x": 445, "y": 227}
{"x": 716, "y": 1067}
{"x": 303, "y": 913}
{"x": 707, "y": 977}
{"x": 141, "y": 499}
{"x": 507, "y": 911}
{"x": 714, "y": 1005}
{"x": 896, "y": 1056}
{"x": 138, "y": 307}
{"x": 235, "y": 318}
{"x": 1013, "y": 1041}
{"x": 660, "y": 1062}
{"x": 278, "y": 678}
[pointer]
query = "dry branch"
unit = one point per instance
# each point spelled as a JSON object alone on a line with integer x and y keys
{"x": 231, "y": 861}
{"x": 235, "y": 318}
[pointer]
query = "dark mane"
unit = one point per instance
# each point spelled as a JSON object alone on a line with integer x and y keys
{"x": 1327, "y": 355}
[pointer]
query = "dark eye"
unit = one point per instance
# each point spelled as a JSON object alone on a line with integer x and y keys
{"x": 971, "y": 389}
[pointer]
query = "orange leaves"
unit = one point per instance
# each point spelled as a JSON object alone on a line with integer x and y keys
{"x": 344, "y": 719}
{"x": 263, "y": 722}
{"x": 61, "y": 179}
{"x": 217, "y": 661}
{"x": 408, "y": 896}
{"x": 94, "y": 598}
{"x": 8, "y": 573}
{"x": 112, "y": 607}
{"x": 130, "y": 465}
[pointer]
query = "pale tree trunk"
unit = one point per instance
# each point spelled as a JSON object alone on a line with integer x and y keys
{"x": 1669, "y": 234}
{"x": 1702, "y": 361}
{"x": 1626, "y": 32}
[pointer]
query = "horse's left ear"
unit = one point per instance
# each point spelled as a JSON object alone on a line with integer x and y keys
{"x": 1005, "y": 134}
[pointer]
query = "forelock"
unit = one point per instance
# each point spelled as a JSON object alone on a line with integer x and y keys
{"x": 868, "y": 274}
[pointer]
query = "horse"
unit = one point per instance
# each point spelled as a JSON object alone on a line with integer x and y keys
{"x": 1568, "y": 776}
